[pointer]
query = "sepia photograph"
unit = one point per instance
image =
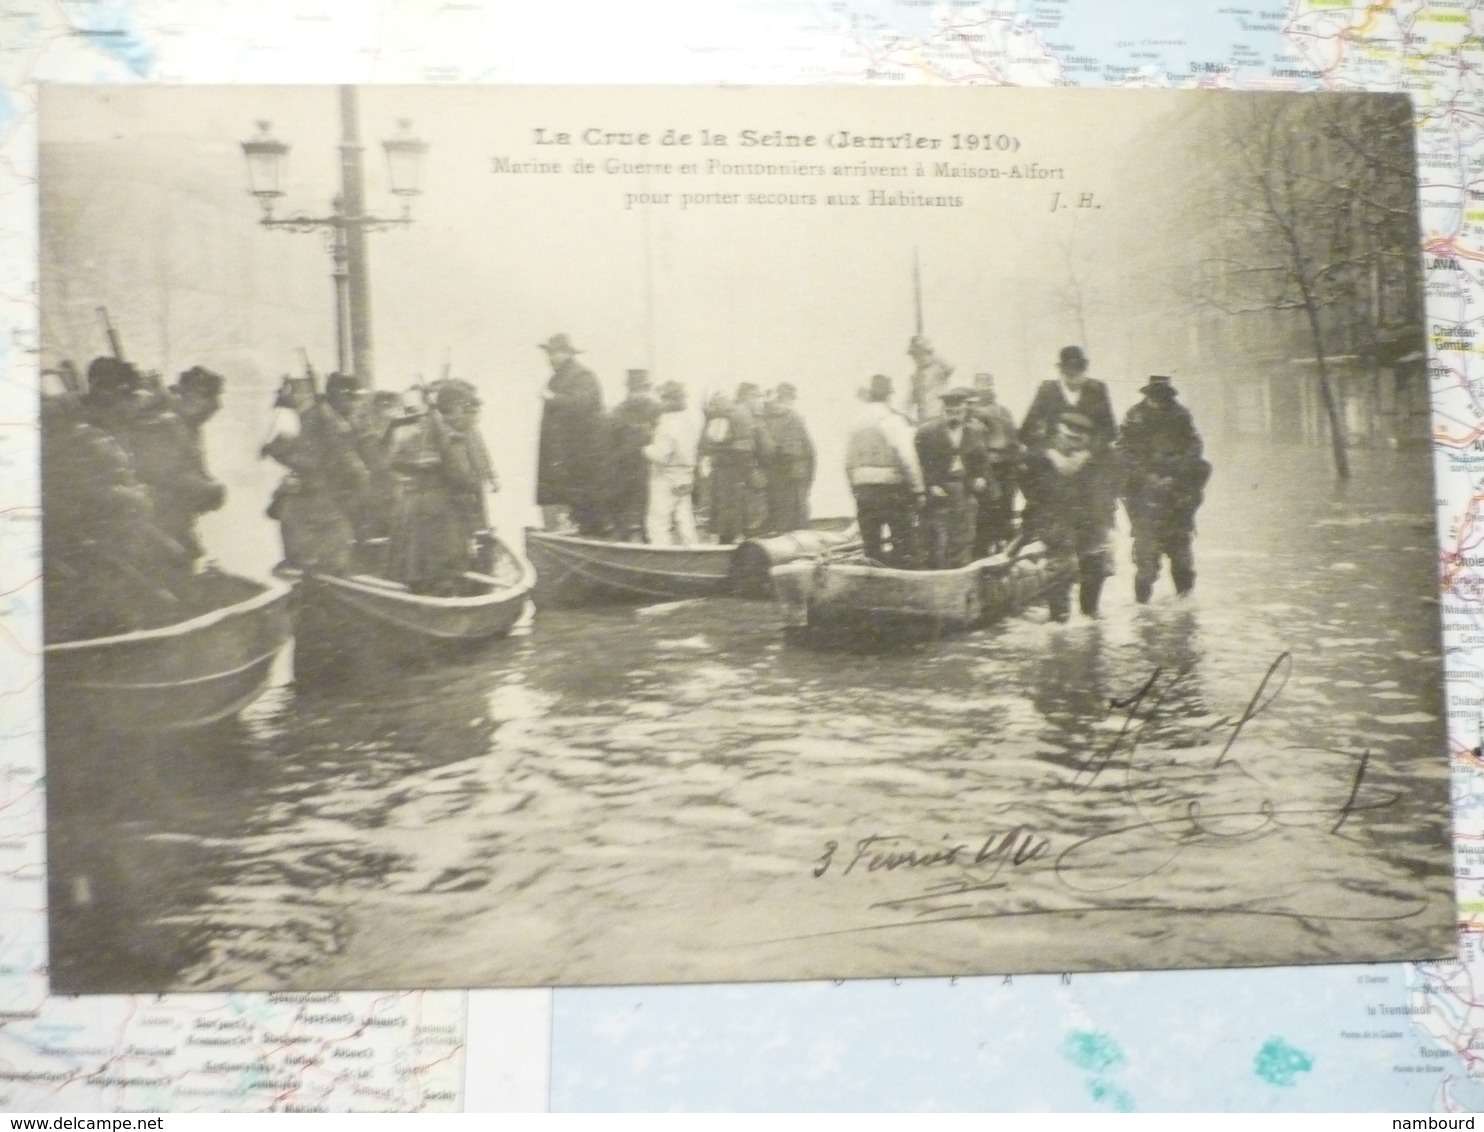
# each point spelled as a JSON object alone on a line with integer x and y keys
{"x": 517, "y": 536}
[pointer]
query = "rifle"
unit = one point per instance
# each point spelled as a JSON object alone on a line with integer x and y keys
{"x": 113, "y": 335}
{"x": 309, "y": 371}
{"x": 71, "y": 379}
{"x": 917, "y": 293}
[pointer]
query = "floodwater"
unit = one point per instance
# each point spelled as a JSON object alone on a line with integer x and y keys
{"x": 679, "y": 793}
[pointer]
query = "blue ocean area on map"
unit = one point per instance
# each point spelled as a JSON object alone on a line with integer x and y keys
{"x": 113, "y": 29}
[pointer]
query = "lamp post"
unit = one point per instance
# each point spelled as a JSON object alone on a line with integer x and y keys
{"x": 348, "y": 222}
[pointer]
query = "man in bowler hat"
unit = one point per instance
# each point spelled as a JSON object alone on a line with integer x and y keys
{"x": 569, "y": 462}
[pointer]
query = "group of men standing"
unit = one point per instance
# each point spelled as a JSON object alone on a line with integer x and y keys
{"x": 637, "y": 473}
{"x": 374, "y": 486}
{"x": 124, "y": 481}
{"x": 941, "y": 494}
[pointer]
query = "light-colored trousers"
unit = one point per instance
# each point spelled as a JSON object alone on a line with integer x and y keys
{"x": 671, "y": 520}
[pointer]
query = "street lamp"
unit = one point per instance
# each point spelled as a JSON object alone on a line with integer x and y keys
{"x": 348, "y": 221}
{"x": 404, "y": 161}
{"x": 265, "y": 155}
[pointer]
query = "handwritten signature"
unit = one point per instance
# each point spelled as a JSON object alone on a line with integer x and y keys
{"x": 1174, "y": 817}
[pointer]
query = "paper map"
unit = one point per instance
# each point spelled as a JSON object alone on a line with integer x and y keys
{"x": 1401, "y": 1037}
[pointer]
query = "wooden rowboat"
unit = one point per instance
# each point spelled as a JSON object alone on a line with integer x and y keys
{"x": 177, "y": 677}
{"x": 859, "y": 598}
{"x": 582, "y": 571}
{"x": 344, "y": 623}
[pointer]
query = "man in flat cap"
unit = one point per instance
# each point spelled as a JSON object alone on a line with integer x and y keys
{"x": 954, "y": 459}
{"x": 1069, "y": 507}
{"x": 1162, "y": 481}
{"x": 570, "y": 460}
{"x": 994, "y": 526}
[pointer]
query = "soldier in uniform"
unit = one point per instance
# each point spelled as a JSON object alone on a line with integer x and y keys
{"x": 1163, "y": 478}
{"x": 995, "y": 527}
{"x": 791, "y": 469}
{"x": 106, "y": 566}
{"x": 954, "y": 458}
{"x": 371, "y": 508}
{"x": 317, "y": 446}
{"x": 1069, "y": 507}
{"x": 169, "y": 458}
{"x": 570, "y": 463}
{"x": 630, "y": 428}
{"x": 442, "y": 527}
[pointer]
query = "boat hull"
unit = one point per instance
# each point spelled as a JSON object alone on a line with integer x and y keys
{"x": 859, "y": 599}
{"x": 349, "y": 623}
{"x": 179, "y": 677}
{"x": 579, "y": 571}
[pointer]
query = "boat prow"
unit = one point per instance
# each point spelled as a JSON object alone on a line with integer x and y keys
{"x": 582, "y": 571}
{"x": 177, "y": 677}
{"x": 862, "y": 599}
{"x": 350, "y": 622}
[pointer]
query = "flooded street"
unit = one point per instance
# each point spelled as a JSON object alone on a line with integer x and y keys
{"x": 678, "y": 793}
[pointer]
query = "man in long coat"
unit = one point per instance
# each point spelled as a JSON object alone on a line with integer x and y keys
{"x": 1163, "y": 478}
{"x": 1069, "y": 506}
{"x": 791, "y": 467}
{"x": 570, "y": 461}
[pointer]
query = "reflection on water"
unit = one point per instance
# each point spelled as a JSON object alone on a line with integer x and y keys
{"x": 646, "y": 794}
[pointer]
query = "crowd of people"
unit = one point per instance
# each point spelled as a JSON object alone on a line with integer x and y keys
{"x": 639, "y": 472}
{"x": 936, "y": 480}
{"x": 370, "y": 486}
{"x": 124, "y": 477}
{"x": 941, "y": 493}
{"x": 378, "y": 487}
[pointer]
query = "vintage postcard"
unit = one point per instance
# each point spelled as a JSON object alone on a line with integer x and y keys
{"x": 529, "y": 536}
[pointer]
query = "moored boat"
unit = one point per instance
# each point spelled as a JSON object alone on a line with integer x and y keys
{"x": 343, "y": 622}
{"x": 579, "y": 571}
{"x": 180, "y": 676}
{"x": 860, "y": 598}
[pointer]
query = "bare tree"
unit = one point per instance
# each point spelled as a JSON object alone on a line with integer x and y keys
{"x": 1315, "y": 213}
